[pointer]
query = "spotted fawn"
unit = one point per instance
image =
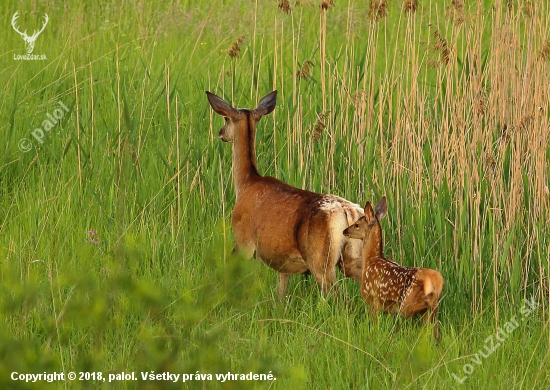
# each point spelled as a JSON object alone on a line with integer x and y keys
{"x": 388, "y": 286}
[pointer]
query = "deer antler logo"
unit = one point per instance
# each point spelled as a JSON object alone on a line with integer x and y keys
{"x": 29, "y": 41}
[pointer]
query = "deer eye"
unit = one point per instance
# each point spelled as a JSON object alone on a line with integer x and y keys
{"x": 357, "y": 226}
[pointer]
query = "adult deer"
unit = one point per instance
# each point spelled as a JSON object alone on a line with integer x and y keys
{"x": 291, "y": 230}
{"x": 29, "y": 40}
{"x": 387, "y": 285}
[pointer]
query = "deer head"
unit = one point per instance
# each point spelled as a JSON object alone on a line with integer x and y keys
{"x": 233, "y": 116}
{"x": 29, "y": 41}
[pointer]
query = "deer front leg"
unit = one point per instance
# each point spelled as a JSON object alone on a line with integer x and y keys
{"x": 372, "y": 306}
{"x": 373, "y": 312}
{"x": 282, "y": 283}
{"x": 431, "y": 316}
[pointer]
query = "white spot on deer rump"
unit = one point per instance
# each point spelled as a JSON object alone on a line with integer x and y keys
{"x": 330, "y": 203}
{"x": 336, "y": 209}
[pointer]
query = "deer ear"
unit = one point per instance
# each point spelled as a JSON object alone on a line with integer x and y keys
{"x": 266, "y": 105}
{"x": 381, "y": 208}
{"x": 220, "y": 106}
{"x": 368, "y": 211}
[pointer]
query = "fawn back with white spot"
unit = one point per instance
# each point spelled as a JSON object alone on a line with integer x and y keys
{"x": 387, "y": 285}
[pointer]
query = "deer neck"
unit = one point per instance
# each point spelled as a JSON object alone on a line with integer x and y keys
{"x": 245, "y": 169}
{"x": 372, "y": 245}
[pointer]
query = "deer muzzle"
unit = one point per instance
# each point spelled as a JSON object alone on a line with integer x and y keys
{"x": 223, "y": 135}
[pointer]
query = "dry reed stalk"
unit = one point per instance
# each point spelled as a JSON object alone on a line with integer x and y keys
{"x": 322, "y": 46}
{"x": 295, "y": 45}
{"x": 78, "y": 131}
{"x": 275, "y": 69}
{"x": 253, "y": 69}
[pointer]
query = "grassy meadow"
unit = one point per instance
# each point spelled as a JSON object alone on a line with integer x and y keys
{"x": 115, "y": 230}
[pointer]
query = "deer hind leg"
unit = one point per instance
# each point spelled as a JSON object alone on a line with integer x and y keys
{"x": 320, "y": 242}
{"x": 325, "y": 275}
{"x": 323, "y": 264}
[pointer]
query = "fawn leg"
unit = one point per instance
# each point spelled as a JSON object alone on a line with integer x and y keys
{"x": 373, "y": 306}
{"x": 431, "y": 316}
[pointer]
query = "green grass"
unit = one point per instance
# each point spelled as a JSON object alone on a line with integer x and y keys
{"x": 115, "y": 232}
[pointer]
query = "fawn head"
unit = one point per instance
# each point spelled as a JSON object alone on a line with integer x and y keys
{"x": 236, "y": 117}
{"x": 364, "y": 225}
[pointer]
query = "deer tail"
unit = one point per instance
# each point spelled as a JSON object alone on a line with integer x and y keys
{"x": 433, "y": 285}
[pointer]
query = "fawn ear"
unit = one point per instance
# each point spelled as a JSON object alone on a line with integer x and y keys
{"x": 220, "y": 106}
{"x": 266, "y": 105}
{"x": 381, "y": 208}
{"x": 368, "y": 211}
